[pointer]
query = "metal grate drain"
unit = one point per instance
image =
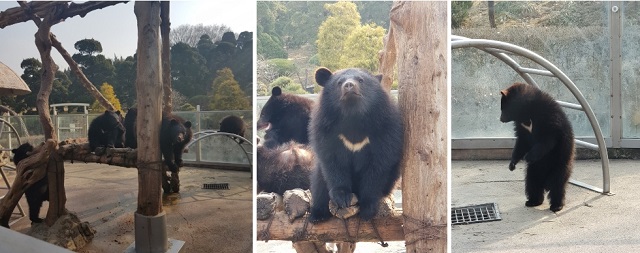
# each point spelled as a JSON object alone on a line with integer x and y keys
{"x": 475, "y": 214}
{"x": 223, "y": 186}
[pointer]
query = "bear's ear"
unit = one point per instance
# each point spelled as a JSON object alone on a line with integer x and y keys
{"x": 504, "y": 92}
{"x": 14, "y": 150}
{"x": 106, "y": 111}
{"x": 187, "y": 124}
{"x": 379, "y": 77}
{"x": 173, "y": 122}
{"x": 322, "y": 76}
{"x": 276, "y": 91}
{"x": 118, "y": 112}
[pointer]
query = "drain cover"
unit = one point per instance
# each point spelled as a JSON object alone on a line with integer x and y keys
{"x": 224, "y": 186}
{"x": 475, "y": 214}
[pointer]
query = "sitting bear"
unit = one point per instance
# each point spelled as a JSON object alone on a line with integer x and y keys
{"x": 39, "y": 191}
{"x": 356, "y": 133}
{"x": 106, "y": 131}
{"x": 285, "y": 117}
{"x": 544, "y": 134}
{"x": 284, "y": 167}
{"x": 175, "y": 134}
{"x": 130, "y": 140}
{"x": 233, "y": 124}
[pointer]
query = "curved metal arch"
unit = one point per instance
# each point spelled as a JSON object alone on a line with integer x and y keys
{"x": 4, "y": 176}
{"x": 501, "y": 50}
{"x": 207, "y": 133}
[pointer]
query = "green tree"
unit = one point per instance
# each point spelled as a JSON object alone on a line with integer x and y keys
{"x": 203, "y": 101}
{"x": 108, "y": 93}
{"x": 95, "y": 66}
{"x": 361, "y": 48}
{"x": 32, "y": 71}
{"x": 283, "y": 67}
{"x": 459, "y": 12}
{"x": 188, "y": 70}
{"x": 287, "y": 85}
{"x": 227, "y": 94}
{"x": 125, "y": 80}
{"x": 344, "y": 18}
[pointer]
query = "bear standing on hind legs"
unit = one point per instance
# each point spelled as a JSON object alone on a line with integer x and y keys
{"x": 544, "y": 135}
{"x": 39, "y": 191}
{"x": 356, "y": 133}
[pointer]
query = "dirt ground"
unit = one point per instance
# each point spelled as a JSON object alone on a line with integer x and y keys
{"x": 207, "y": 220}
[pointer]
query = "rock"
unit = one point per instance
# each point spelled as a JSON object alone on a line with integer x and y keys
{"x": 68, "y": 232}
{"x": 267, "y": 204}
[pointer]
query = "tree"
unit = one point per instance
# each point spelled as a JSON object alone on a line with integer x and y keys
{"x": 32, "y": 71}
{"x": 344, "y": 18}
{"x": 205, "y": 45}
{"x": 460, "y": 11}
{"x": 108, "y": 93}
{"x": 361, "y": 48}
{"x": 191, "y": 34}
{"x": 95, "y": 66}
{"x": 227, "y": 94}
{"x": 188, "y": 70}
{"x": 287, "y": 85}
{"x": 125, "y": 80}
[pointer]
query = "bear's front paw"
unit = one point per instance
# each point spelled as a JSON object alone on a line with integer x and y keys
{"x": 36, "y": 220}
{"x": 178, "y": 162}
{"x": 341, "y": 197}
{"x": 319, "y": 216}
{"x": 512, "y": 166}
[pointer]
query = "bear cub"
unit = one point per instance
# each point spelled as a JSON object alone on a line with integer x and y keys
{"x": 544, "y": 138}
{"x": 175, "y": 134}
{"x": 234, "y": 125}
{"x": 285, "y": 117}
{"x": 39, "y": 191}
{"x": 356, "y": 133}
{"x": 106, "y": 131}
{"x": 130, "y": 140}
{"x": 285, "y": 167}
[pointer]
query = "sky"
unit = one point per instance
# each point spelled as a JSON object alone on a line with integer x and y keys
{"x": 115, "y": 27}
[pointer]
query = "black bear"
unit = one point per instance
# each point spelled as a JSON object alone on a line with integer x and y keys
{"x": 285, "y": 117}
{"x": 175, "y": 134}
{"x": 284, "y": 167}
{"x": 130, "y": 140}
{"x": 106, "y": 131}
{"x": 356, "y": 133}
{"x": 39, "y": 191}
{"x": 544, "y": 135}
{"x": 233, "y": 124}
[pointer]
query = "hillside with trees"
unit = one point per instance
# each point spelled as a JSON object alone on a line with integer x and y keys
{"x": 295, "y": 38}
{"x": 198, "y": 55}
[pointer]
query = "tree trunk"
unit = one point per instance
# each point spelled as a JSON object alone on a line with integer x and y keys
{"x": 422, "y": 74}
{"x": 166, "y": 55}
{"x": 149, "y": 90}
{"x": 492, "y": 17}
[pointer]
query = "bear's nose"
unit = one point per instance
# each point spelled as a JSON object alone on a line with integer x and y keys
{"x": 348, "y": 85}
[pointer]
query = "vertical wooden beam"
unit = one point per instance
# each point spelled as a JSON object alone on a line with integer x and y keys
{"x": 421, "y": 30}
{"x": 165, "y": 29}
{"x": 150, "y": 223}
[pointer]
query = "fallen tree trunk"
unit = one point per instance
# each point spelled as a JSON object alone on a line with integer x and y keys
{"x": 76, "y": 150}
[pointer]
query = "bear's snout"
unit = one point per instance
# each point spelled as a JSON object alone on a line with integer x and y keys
{"x": 350, "y": 87}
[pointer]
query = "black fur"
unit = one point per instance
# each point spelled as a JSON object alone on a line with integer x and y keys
{"x": 39, "y": 191}
{"x": 354, "y": 105}
{"x": 549, "y": 147}
{"x": 284, "y": 167}
{"x": 233, "y": 124}
{"x": 106, "y": 131}
{"x": 130, "y": 140}
{"x": 286, "y": 117}
{"x": 175, "y": 134}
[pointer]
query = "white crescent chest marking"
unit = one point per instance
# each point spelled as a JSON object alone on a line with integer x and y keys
{"x": 529, "y": 127}
{"x": 354, "y": 147}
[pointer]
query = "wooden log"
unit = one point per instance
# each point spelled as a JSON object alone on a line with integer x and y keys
{"x": 123, "y": 157}
{"x": 275, "y": 223}
{"x": 29, "y": 171}
{"x": 420, "y": 31}
{"x": 333, "y": 230}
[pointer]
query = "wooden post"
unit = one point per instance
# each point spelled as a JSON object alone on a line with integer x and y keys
{"x": 420, "y": 31}
{"x": 150, "y": 226}
{"x": 165, "y": 29}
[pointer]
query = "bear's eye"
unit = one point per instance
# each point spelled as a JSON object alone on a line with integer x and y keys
{"x": 360, "y": 80}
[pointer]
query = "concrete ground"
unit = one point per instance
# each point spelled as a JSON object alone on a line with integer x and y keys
{"x": 207, "y": 220}
{"x": 589, "y": 222}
